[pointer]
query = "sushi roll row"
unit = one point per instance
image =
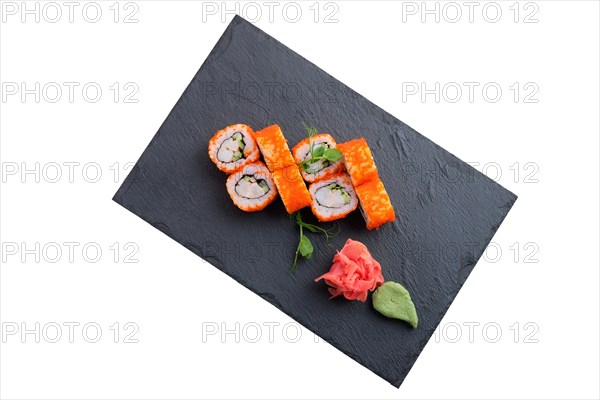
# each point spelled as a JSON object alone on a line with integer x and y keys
{"x": 336, "y": 188}
{"x": 332, "y": 194}
{"x": 235, "y": 151}
{"x": 251, "y": 184}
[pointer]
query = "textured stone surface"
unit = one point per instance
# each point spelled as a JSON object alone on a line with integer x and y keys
{"x": 447, "y": 211}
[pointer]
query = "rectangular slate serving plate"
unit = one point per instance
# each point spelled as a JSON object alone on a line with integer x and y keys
{"x": 447, "y": 211}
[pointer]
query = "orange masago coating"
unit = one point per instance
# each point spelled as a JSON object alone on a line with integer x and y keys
{"x": 277, "y": 155}
{"x": 274, "y": 148}
{"x": 292, "y": 188}
{"x": 358, "y": 161}
{"x": 375, "y": 203}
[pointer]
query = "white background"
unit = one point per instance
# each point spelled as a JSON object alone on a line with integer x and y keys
{"x": 539, "y": 280}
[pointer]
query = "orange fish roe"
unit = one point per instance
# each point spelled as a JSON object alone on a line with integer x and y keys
{"x": 274, "y": 148}
{"x": 292, "y": 188}
{"x": 375, "y": 203}
{"x": 286, "y": 175}
{"x": 358, "y": 161}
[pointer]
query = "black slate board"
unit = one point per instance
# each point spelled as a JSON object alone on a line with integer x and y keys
{"x": 447, "y": 211}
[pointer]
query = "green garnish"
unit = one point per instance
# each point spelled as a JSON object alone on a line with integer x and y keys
{"x": 393, "y": 300}
{"x": 305, "y": 247}
{"x": 318, "y": 153}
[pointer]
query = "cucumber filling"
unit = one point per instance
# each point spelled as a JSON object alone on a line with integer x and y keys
{"x": 251, "y": 188}
{"x": 232, "y": 148}
{"x": 332, "y": 196}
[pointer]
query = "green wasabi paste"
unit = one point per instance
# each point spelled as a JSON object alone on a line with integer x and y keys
{"x": 393, "y": 300}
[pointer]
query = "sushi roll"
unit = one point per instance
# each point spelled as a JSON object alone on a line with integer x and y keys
{"x": 333, "y": 197}
{"x": 375, "y": 204}
{"x": 252, "y": 188}
{"x": 320, "y": 168}
{"x": 233, "y": 147}
{"x": 274, "y": 148}
{"x": 358, "y": 161}
{"x": 286, "y": 174}
{"x": 292, "y": 188}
